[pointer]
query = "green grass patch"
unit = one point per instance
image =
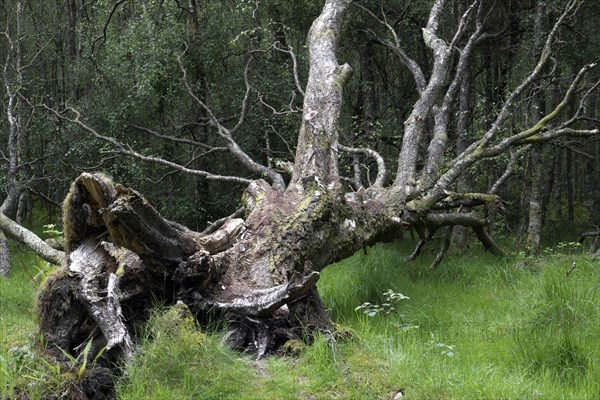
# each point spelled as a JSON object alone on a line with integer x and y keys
{"x": 487, "y": 327}
{"x": 475, "y": 327}
{"x": 17, "y": 322}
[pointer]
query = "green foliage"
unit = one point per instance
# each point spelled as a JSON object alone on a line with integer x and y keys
{"x": 481, "y": 335}
{"x": 391, "y": 301}
{"x": 389, "y": 306}
{"x": 80, "y": 363}
{"x": 488, "y": 328}
{"x": 445, "y": 349}
{"x": 51, "y": 230}
{"x": 17, "y": 325}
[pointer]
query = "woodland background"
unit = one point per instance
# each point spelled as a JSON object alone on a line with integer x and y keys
{"x": 521, "y": 326}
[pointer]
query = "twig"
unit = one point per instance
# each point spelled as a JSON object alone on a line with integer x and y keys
{"x": 571, "y": 269}
{"x": 444, "y": 249}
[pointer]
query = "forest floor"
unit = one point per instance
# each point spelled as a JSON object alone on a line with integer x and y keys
{"x": 475, "y": 327}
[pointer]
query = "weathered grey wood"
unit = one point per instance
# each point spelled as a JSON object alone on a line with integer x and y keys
{"x": 265, "y": 301}
{"x": 316, "y": 152}
{"x": 259, "y": 269}
{"x": 4, "y": 255}
{"x": 99, "y": 292}
{"x": 24, "y": 235}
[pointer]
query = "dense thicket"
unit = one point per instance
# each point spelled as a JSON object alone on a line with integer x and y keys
{"x": 117, "y": 63}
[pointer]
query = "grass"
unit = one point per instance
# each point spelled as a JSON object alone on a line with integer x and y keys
{"x": 519, "y": 328}
{"x": 480, "y": 327}
{"x": 17, "y": 324}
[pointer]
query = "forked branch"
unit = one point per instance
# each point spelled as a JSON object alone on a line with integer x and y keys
{"x": 124, "y": 149}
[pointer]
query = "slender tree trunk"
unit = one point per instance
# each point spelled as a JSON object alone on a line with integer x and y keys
{"x": 12, "y": 86}
{"x": 71, "y": 55}
{"x": 558, "y": 183}
{"x": 592, "y": 186}
{"x": 534, "y": 228}
{"x": 569, "y": 186}
{"x": 366, "y": 111}
{"x": 593, "y": 167}
{"x": 536, "y": 208}
{"x": 524, "y": 199}
{"x": 548, "y": 187}
{"x": 24, "y": 209}
{"x": 5, "y": 262}
{"x": 460, "y": 233}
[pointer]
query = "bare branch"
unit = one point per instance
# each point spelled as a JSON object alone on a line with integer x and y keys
{"x": 444, "y": 248}
{"x": 294, "y": 67}
{"x": 480, "y": 150}
{"x": 472, "y": 220}
{"x": 439, "y": 220}
{"x": 212, "y": 227}
{"x": 45, "y": 198}
{"x": 285, "y": 142}
{"x": 102, "y": 38}
{"x": 244, "y": 108}
{"x": 442, "y": 114}
{"x": 261, "y": 302}
{"x": 487, "y": 241}
{"x": 396, "y": 47}
{"x": 31, "y": 240}
{"x": 381, "y": 169}
{"x": 415, "y": 124}
{"x": 545, "y": 55}
{"x": 579, "y": 114}
{"x": 463, "y": 23}
{"x": 554, "y": 133}
{"x": 508, "y": 172}
{"x": 178, "y": 140}
{"x": 173, "y": 172}
{"x": 275, "y": 178}
{"x": 291, "y": 109}
{"x": 125, "y": 150}
{"x": 541, "y": 125}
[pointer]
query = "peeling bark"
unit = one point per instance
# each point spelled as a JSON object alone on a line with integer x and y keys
{"x": 316, "y": 153}
{"x": 4, "y": 255}
{"x": 258, "y": 268}
{"x": 123, "y": 256}
{"x": 258, "y": 272}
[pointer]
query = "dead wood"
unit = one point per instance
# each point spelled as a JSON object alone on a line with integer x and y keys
{"x": 123, "y": 258}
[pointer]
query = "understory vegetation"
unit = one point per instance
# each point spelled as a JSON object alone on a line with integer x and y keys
{"x": 475, "y": 327}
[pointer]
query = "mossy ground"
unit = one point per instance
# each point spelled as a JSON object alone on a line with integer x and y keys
{"x": 476, "y": 327}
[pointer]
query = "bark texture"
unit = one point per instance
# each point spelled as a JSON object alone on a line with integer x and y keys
{"x": 4, "y": 255}
{"x": 258, "y": 269}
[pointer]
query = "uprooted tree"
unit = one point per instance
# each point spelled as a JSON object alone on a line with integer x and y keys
{"x": 258, "y": 268}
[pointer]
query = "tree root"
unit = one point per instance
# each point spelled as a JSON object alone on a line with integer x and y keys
{"x": 265, "y": 301}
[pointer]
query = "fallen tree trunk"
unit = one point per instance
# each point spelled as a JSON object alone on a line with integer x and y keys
{"x": 259, "y": 273}
{"x": 123, "y": 257}
{"x": 258, "y": 269}
{"x": 23, "y": 235}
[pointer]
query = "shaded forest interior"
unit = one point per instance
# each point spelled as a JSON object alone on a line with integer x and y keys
{"x": 118, "y": 64}
{"x": 282, "y": 137}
